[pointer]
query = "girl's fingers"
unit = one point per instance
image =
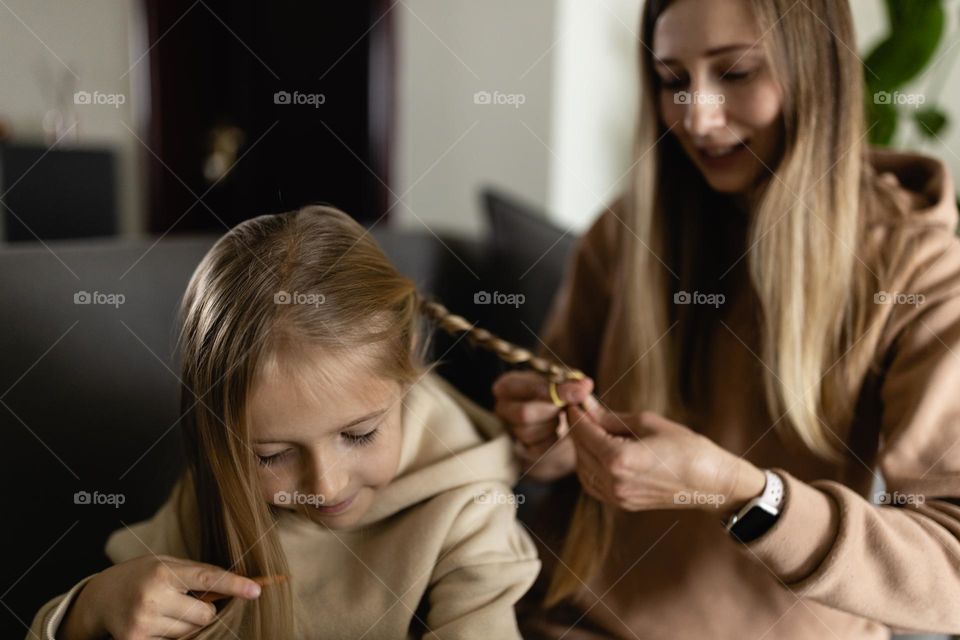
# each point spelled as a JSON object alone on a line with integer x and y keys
{"x": 167, "y": 627}
{"x": 189, "y": 609}
{"x": 204, "y": 578}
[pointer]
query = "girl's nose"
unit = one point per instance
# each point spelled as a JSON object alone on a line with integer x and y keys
{"x": 330, "y": 477}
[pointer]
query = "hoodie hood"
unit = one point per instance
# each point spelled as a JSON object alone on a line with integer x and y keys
{"x": 448, "y": 442}
{"x": 919, "y": 187}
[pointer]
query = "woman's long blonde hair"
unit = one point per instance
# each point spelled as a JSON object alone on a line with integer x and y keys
{"x": 805, "y": 229}
{"x": 256, "y": 292}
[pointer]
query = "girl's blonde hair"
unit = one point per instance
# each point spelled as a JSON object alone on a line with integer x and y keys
{"x": 801, "y": 246}
{"x": 271, "y": 283}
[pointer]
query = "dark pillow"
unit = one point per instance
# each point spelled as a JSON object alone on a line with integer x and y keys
{"x": 529, "y": 257}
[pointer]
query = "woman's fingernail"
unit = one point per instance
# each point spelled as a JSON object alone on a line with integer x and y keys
{"x": 253, "y": 590}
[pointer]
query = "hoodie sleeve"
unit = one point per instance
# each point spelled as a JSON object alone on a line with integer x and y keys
{"x": 487, "y": 563}
{"x": 160, "y": 535}
{"x": 897, "y": 562}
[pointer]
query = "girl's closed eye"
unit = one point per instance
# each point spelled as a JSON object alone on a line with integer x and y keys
{"x": 361, "y": 439}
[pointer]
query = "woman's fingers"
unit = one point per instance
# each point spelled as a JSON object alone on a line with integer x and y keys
{"x": 524, "y": 413}
{"x": 202, "y": 578}
{"x": 530, "y": 385}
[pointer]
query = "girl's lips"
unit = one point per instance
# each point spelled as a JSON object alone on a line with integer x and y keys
{"x": 334, "y": 509}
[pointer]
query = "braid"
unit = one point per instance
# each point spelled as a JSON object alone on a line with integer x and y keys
{"x": 591, "y": 525}
{"x": 506, "y": 351}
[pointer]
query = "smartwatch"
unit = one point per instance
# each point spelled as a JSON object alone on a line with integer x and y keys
{"x": 758, "y": 515}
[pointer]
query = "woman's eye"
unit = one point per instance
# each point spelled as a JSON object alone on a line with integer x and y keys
{"x": 269, "y": 461}
{"x": 362, "y": 438}
{"x": 737, "y": 75}
{"x": 672, "y": 83}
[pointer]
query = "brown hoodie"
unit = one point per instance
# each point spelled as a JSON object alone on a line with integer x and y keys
{"x": 835, "y": 564}
{"x": 439, "y": 547}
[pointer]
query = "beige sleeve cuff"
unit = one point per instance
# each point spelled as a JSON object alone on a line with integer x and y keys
{"x": 802, "y": 536}
{"x": 52, "y": 623}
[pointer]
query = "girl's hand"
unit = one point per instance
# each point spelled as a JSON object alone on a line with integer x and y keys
{"x": 147, "y": 598}
{"x": 644, "y": 461}
{"x": 523, "y": 403}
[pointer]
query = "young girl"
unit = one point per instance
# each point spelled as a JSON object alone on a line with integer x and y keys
{"x": 323, "y": 455}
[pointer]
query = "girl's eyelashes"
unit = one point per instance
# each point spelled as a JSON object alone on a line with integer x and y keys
{"x": 268, "y": 461}
{"x": 362, "y": 438}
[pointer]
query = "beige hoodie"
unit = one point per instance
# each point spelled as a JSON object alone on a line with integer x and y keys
{"x": 835, "y": 565}
{"x": 440, "y": 547}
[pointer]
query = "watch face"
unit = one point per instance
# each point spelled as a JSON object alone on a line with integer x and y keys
{"x": 753, "y": 524}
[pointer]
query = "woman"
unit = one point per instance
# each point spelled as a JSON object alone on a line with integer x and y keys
{"x": 771, "y": 318}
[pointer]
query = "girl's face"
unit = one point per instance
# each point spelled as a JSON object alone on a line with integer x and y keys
{"x": 717, "y": 91}
{"x": 325, "y": 442}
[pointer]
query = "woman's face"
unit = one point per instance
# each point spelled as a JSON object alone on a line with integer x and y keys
{"x": 717, "y": 91}
{"x": 325, "y": 442}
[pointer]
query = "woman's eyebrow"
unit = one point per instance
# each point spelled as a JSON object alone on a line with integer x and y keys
{"x": 352, "y": 423}
{"x": 710, "y": 53}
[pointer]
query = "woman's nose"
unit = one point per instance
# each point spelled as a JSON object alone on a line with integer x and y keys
{"x": 705, "y": 113}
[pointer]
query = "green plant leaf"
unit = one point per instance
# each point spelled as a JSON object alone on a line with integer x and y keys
{"x": 930, "y": 122}
{"x": 915, "y": 35}
{"x": 882, "y": 118}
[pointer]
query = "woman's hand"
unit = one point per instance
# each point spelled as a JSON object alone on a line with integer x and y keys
{"x": 534, "y": 422}
{"x": 147, "y": 598}
{"x": 644, "y": 461}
